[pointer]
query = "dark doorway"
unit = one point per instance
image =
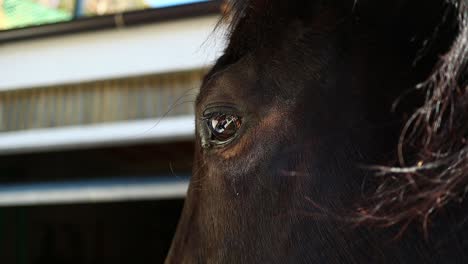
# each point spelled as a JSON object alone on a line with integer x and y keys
{"x": 130, "y": 232}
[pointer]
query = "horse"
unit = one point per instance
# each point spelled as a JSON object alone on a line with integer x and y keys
{"x": 332, "y": 132}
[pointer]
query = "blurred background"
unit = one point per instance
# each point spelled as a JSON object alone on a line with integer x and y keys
{"x": 97, "y": 125}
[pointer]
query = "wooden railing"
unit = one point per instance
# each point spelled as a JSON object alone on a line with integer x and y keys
{"x": 133, "y": 98}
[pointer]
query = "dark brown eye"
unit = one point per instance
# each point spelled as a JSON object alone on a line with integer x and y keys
{"x": 223, "y": 127}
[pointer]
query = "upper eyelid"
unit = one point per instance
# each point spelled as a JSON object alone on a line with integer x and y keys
{"x": 220, "y": 104}
{"x": 209, "y": 110}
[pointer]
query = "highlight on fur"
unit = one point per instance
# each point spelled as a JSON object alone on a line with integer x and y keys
{"x": 433, "y": 147}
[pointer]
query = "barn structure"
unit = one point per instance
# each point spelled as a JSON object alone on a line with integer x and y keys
{"x": 97, "y": 125}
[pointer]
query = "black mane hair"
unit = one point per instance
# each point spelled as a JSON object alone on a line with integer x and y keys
{"x": 432, "y": 168}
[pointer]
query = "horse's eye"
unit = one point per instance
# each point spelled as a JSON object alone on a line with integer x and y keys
{"x": 223, "y": 127}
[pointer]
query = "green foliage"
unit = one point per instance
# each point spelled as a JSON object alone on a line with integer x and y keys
{"x": 22, "y": 13}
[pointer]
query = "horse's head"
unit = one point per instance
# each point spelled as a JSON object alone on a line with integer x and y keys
{"x": 292, "y": 115}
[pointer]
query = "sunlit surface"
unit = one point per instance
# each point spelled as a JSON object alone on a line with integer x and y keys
{"x": 22, "y": 13}
{"x": 25, "y": 13}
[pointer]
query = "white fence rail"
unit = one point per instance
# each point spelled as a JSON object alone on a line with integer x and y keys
{"x": 167, "y": 129}
{"x": 93, "y": 191}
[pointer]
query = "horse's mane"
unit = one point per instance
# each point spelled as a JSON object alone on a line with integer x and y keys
{"x": 433, "y": 147}
{"x": 432, "y": 171}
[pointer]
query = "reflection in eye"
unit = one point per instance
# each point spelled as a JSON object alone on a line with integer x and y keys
{"x": 223, "y": 127}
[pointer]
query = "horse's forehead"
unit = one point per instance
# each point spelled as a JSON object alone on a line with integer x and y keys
{"x": 229, "y": 83}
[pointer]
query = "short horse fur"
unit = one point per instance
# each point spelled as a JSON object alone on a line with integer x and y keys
{"x": 332, "y": 132}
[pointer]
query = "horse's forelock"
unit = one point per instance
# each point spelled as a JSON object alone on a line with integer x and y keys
{"x": 252, "y": 24}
